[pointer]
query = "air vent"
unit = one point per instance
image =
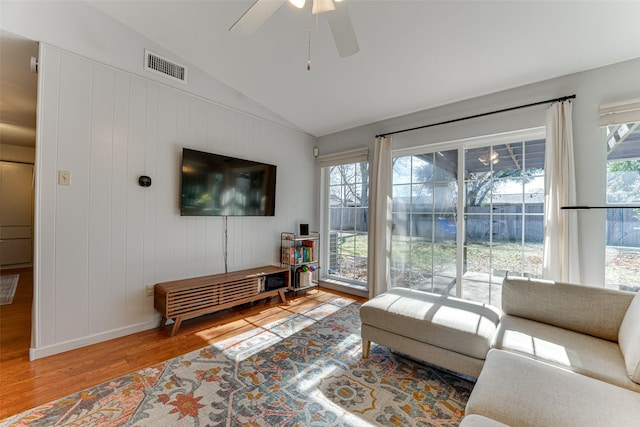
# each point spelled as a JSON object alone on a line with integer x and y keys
{"x": 167, "y": 68}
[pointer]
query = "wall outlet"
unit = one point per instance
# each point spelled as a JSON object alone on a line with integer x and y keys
{"x": 150, "y": 290}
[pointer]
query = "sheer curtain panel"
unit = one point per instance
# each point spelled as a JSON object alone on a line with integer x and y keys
{"x": 380, "y": 218}
{"x": 561, "y": 252}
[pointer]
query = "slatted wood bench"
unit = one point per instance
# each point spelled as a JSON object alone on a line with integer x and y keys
{"x": 183, "y": 299}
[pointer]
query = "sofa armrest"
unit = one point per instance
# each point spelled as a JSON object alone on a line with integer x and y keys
{"x": 588, "y": 310}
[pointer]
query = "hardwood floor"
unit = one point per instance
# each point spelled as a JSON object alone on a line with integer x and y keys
{"x": 25, "y": 384}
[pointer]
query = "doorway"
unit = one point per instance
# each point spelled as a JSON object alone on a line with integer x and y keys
{"x": 18, "y": 100}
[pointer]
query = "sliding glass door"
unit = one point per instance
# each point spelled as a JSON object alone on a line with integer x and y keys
{"x": 465, "y": 242}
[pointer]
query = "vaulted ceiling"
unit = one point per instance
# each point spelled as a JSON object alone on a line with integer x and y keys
{"x": 413, "y": 54}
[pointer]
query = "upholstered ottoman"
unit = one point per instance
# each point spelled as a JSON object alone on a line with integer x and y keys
{"x": 453, "y": 333}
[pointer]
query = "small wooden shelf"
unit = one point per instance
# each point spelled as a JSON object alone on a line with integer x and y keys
{"x": 182, "y": 299}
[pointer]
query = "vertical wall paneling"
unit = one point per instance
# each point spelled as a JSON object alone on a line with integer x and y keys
{"x": 45, "y": 203}
{"x": 166, "y": 177}
{"x": 72, "y": 210}
{"x": 100, "y": 194}
{"x": 118, "y": 208}
{"x": 213, "y": 253}
{"x": 150, "y": 214}
{"x": 135, "y": 197}
{"x": 103, "y": 239}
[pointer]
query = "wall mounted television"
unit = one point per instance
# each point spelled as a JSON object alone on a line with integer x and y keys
{"x": 216, "y": 185}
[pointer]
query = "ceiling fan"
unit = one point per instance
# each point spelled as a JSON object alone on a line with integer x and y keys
{"x": 335, "y": 10}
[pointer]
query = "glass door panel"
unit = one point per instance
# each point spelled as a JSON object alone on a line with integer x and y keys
{"x": 425, "y": 192}
{"x": 502, "y": 182}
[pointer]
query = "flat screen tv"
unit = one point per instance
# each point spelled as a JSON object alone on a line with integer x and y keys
{"x": 216, "y": 185}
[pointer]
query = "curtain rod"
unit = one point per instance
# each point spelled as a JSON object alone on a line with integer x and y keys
{"x": 578, "y": 208}
{"x": 564, "y": 98}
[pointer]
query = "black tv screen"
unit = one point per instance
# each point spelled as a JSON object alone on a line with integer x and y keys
{"x": 216, "y": 185}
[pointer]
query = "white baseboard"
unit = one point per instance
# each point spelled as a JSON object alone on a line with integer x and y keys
{"x": 49, "y": 350}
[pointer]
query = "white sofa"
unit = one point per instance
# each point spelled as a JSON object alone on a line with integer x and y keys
{"x": 563, "y": 355}
{"x": 557, "y": 354}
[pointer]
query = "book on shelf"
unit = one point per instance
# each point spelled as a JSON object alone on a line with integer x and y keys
{"x": 309, "y": 250}
{"x": 289, "y": 255}
{"x": 298, "y": 255}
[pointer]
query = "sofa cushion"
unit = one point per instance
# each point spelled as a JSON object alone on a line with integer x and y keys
{"x": 520, "y": 391}
{"x": 454, "y": 324}
{"x": 581, "y": 353}
{"x": 565, "y": 305}
{"x": 629, "y": 339}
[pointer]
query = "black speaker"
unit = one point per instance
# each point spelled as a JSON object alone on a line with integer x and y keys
{"x": 304, "y": 229}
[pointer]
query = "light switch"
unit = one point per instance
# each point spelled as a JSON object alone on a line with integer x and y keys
{"x": 64, "y": 177}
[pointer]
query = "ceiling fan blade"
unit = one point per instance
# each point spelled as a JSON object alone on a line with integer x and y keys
{"x": 342, "y": 29}
{"x": 255, "y": 16}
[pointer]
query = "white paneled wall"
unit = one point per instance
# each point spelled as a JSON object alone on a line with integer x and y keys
{"x": 102, "y": 239}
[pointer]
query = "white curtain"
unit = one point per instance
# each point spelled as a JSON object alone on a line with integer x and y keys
{"x": 561, "y": 250}
{"x": 380, "y": 218}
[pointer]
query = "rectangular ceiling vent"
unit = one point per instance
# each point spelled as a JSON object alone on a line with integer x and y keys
{"x": 167, "y": 68}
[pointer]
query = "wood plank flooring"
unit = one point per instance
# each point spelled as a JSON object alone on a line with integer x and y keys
{"x": 25, "y": 384}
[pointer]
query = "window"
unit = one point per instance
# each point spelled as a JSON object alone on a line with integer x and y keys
{"x": 345, "y": 222}
{"x": 500, "y": 231}
{"x": 623, "y": 188}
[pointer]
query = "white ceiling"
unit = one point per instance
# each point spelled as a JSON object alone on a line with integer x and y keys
{"x": 413, "y": 55}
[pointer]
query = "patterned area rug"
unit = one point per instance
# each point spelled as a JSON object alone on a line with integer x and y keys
{"x": 305, "y": 370}
{"x": 8, "y": 285}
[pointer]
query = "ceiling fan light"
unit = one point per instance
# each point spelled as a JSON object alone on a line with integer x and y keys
{"x": 321, "y": 6}
{"x": 297, "y": 3}
{"x": 490, "y": 157}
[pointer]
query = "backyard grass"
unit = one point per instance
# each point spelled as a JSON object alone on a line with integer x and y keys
{"x": 420, "y": 260}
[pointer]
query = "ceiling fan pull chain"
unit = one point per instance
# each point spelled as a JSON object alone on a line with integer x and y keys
{"x": 309, "y": 51}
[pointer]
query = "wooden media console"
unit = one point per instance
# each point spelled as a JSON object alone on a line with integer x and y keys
{"x": 183, "y": 299}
